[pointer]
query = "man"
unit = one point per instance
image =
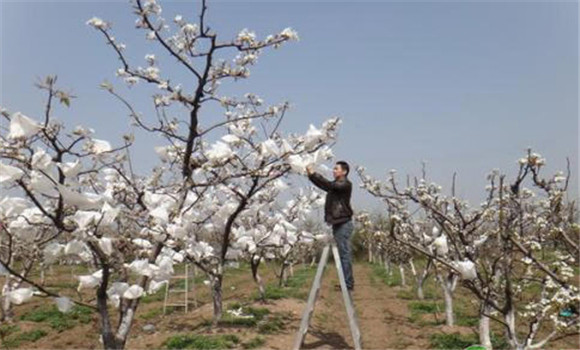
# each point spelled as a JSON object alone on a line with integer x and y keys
{"x": 338, "y": 212}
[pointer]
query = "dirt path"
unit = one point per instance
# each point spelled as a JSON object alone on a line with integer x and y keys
{"x": 381, "y": 315}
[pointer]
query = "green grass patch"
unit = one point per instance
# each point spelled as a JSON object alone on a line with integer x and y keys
{"x": 424, "y": 307}
{"x": 264, "y": 321}
{"x": 297, "y": 286}
{"x": 271, "y": 325}
{"x": 17, "y": 339}
{"x": 233, "y": 321}
{"x": 153, "y": 313}
{"x": 58, "y": 320}
{"x": 151, "y": 298}
{"x": 406, "y": 295}
{"x": 468, "y": 321}
{"x": 457, "y": 341}
{"x": 419, "y": 308}
{"x": 32, "y": 336}
{"x": 452, "y": 341}
{"x": 393, "y": 279}
{"x": 256, "y": 314}
{"x": 254, "y": 343}
{"x": 201, "y": 341}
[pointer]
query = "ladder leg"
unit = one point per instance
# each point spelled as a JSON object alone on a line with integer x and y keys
{"x": 194, "y": 288}
{"x": 166, "y": 297}
{"x": 354, "y": 330}
{"x": 186, "y": 287}
{"x": 307, "y": 314}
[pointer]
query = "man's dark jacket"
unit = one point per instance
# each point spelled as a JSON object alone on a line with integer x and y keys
{"x": 337, "y": 208}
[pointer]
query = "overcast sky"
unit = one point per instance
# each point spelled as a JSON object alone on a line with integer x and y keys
{"x": 465, "y": 87}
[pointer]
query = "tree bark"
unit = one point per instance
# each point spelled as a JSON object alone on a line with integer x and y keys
{"x": 484, "y": 332}
{"x": 255, "y": 263}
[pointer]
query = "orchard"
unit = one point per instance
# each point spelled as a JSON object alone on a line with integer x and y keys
{"x": 90, "y": 245}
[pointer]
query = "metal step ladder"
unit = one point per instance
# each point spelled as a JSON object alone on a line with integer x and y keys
{"x": 172, "y": 290}
{"x": 309, "y": 310}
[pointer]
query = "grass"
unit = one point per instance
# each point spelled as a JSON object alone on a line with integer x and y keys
{"x": 452, "y": 341}
{"x": 254, "y": 343}
{"x": 153, "y": 313}
{"x": 379, "y": 272}
{"x": 294, "y": 287}
{"x": 272, "y": 325}
{"x": 419, "y": 308}
{"x": 264, "y": 321}
{"x": 58, "y": 320}
{"x": 5, "y": 331}
{"x": 258, "y": 314}
{"x": 201, "y": 341}
{"x": 406, "y": 295}
{"x": 457, "y": 341}
{"x": 17, "y": 339}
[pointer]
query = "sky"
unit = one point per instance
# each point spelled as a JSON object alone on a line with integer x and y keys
{"x": 465, "y": 87}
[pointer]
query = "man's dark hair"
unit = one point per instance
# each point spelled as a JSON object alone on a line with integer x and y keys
{"x": 344, "y": 166}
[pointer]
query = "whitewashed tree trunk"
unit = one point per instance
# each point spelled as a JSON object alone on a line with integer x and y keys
{"x": 448, "y": 307}
{"x": 402, "y": 271}
{"x": 511, "y": 335}
{"x": 125, "y": 324}
{"x": 283, "y": 278}
{"x": 7, "y": 313}
{"x": 216, "y": 295}
{"x": 42, "y": 274}
{"x": 448, "y": 285}
{"x": 413, "y": 271}
{"x": 255, "y": 263}
{"x": 484, "y": 331}
{"x": 421, "y": 280}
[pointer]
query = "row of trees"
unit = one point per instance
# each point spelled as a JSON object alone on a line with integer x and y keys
{"x": 212, "y": 197}
{"x": 515, "y": 252}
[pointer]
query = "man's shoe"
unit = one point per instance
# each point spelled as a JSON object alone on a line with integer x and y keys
{"x": 337, "y": 287}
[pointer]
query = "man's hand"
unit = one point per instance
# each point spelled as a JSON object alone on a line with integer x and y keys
{"x": 309, "y": 169}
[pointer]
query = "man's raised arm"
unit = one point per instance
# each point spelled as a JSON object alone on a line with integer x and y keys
{"x": 323, "y": 183}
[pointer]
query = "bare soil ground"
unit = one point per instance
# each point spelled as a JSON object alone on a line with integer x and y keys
{"x": 383, "y": 315}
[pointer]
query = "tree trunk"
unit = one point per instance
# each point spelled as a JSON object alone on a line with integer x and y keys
{"x": 420, "y": 294}
{"x": 255, "y": 263}
{"x": 421, "y": 280}
{"x": 402, "y": 270}
{"x": 511, "y": 335}
{"x": 7, "y": 313}
{"x": 484, "y": 332}
{"x": 449, "y": 319}
{"x": 216, "y": 294}
{"x": 283, "y": 278}
{"x": 107, "y": 335}
{"x": 448, "y": 285}
{"x": 413, "y": 271}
